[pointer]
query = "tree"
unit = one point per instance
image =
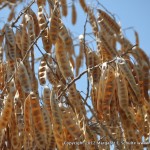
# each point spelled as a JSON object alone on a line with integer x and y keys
{"x": 115, "y": 108}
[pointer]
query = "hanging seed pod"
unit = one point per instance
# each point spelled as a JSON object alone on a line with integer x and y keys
{"x": 37, "y": 113}
{"x": 74, "y": 14}
{"x": 6, "y": 112}
{"x": 55, "y": 23}
{"x": 83, "y": 5}
{"x": 42, "y": 71}
{"x": 64, "y": 7}
{"x": 62, "y": 59}
{"x": 57, "y": 121}
{"x": 24, "y": 78}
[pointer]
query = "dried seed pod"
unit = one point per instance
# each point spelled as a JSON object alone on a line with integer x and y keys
{"x": 64, "y": 7}
{"x": 24, "y": 41}
{"x": 70, "y": 123}
{"x": 42, "y": 71}
{"x": 27, "y": 116}
{"x": 65, "y": 37}
{"x": 37, "y": 113}
{"x": 6, "y": 112}
{"x": 2, "y": 75}
{"x": 24, "y": 78}
{"x": 57, "y": 121}
{"x": 10, "y": 35}
{"x": 48, "y": 126}
{"x": 14, "y": 132}
{"x": 63, "y": 61}
{"x": 83, "y": 5}
{"x": 129, "y": 76}
{"x": 108, "y": 93}
{"x": 45, "y": 35}
{"x": 11, "y": 14}
{"x": 93, "y": 22}
{"x": 40, "y": 139}
{"x": 10, "y": 41}
{"x": 110, "y": 22}
{"x": 46, "y": 100}
{"x": 54, "y": 26}
{"x": 35, "y": 20}
{"x": 74, "y": 14}
{"x": 18, "y": 38}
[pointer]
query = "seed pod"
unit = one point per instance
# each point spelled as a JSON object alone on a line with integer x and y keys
{"x": 62, "y": 59}
{"x": 24, "y": 41}
{"x": 70, "y": 124}
{"x": 128, "y": 74}
{"x": 83, "y": 5}
{"x": 45, "y": 35}
{"x": 54, "y": 26}
{"x": 108, "y": 93}
{"x": 6, "y": 112}
{"x": 27, "y": 116}
{"x": 24, "y": 78}
{"x": 10, "y": 35}
{"x": 35, "y": 20}
{"x": 2, "y": 75}
{"x": 10, "y": 40}
{"x": 74, "y": 14}
{"x": 37, "y": 113}
{"x": 110, "y": 22}
{"x": 57, "y": 121}
{"x": 48, "y": 126}
{"x": 64, "y": 7}
{"x": 46, "y": 100}
{"x": 14, "y": 132}
{"x": 42, "y": 71}
{"x": 122, "y": 91}
{"x": 18, "y": 38}
{"x": 40, "y": 139}
{"x": 93, "y": 22}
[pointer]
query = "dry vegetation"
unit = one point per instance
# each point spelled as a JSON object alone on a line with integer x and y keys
{"x": 117, "y": 86}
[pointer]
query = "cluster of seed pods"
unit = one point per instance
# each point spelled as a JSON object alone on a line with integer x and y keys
{"x": 41, "y": 106}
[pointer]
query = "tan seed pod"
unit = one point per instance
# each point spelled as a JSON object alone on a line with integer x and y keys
{"x": 70, "y": 124}
{"x": 54, "y": 24}
{"x": 57, "y": 121}
{"x": 37, "y": 113}
{"x": 110, "y": 22}
{"x": 27, "y": 116}
{"x": 74, "y": 14}
{"x": 6, "y": 112}
{"x": 24, "y": 41}
{"x": 129, "y": 76}
{"x": 63, "y": 60}
{"x": 10, "y": 35}
{"x": 46, "y": 100}
{"x": 48, "y": 125}
{"x": 24, "y": 78}
{"x": 35, "y": 20}
{"x": 64, "y": 7}
{"x": 42, "y": 71}
{"x": 83, "y": 5}
{"x": 66, "y": 38}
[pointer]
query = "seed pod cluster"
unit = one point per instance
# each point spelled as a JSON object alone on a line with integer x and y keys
{"x": 113, "y": 105}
